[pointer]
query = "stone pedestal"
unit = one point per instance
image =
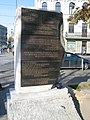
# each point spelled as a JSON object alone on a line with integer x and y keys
{"x": 53, "y": 104}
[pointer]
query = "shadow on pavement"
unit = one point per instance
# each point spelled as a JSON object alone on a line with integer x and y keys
{"x": 76, "y": 103}
{"x": 3, "y": 98}
{"x": 75, "y": 76}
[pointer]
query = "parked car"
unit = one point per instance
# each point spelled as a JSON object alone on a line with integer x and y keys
{"x": 72, "y": 60}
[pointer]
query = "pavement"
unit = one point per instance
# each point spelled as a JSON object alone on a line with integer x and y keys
{"x": 74, "y": 76}
{"x": 67, "y": 77}
{"x": 6, "y": 81}
{"x": 83, "y": 98}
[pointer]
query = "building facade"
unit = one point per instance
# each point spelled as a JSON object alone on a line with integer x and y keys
{"x": 77, "y": 37}
{"x": 3, "y": 36}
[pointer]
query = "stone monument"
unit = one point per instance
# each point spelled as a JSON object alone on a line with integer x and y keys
{"x": 39, "y": 51}
{"x": 39, "y": 48}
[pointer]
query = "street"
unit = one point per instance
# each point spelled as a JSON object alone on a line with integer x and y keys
{"x": 74, "y": 76}
{"x": 6, "y": 68}
{"x": 6, "y": 80}
{"x": 67, "y": 77}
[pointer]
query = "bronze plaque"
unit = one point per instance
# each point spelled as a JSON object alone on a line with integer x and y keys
{"x": 41, "y": 48}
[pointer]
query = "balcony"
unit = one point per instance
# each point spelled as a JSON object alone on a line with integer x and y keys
{"x": 77, "y": 35}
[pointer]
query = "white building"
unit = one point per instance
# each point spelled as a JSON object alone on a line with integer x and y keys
{"x": 76, "y": 36}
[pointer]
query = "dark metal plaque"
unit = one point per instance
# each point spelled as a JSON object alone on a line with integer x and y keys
{"x": 41, "y": 48}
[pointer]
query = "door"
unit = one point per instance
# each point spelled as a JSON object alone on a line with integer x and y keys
{"x": 84, "y": 47}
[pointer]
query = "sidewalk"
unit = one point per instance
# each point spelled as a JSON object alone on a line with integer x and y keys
{"x": 6, "y": 54}
{"x": 6, "y": 80}
{"x": 83, "y": 97}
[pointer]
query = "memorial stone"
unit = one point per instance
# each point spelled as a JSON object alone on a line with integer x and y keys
{"x": 40, "y": 46}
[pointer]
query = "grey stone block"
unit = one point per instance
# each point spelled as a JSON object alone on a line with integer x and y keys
{"x": 54, "y": 104}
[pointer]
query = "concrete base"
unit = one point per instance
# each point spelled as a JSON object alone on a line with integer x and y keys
{"x": 54, "y": 104}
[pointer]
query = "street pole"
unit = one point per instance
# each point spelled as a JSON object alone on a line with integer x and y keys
{"x": 82, "y": 64}
{"x": 16, "y": 3}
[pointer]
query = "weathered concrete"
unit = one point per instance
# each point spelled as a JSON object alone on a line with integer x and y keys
{"x": 54, "y": 104}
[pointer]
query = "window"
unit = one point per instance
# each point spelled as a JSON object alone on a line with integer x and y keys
{"x": 71, "y": 8}
{"x": 71, "y": 28}
{"x": 84, "y": 29}
{"x": 58, "y": 7}
{"x": 44, "y": 6}
{"x": 71, "y": 46}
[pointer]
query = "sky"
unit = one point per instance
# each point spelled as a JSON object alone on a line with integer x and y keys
{"x": 8, "y": 11}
